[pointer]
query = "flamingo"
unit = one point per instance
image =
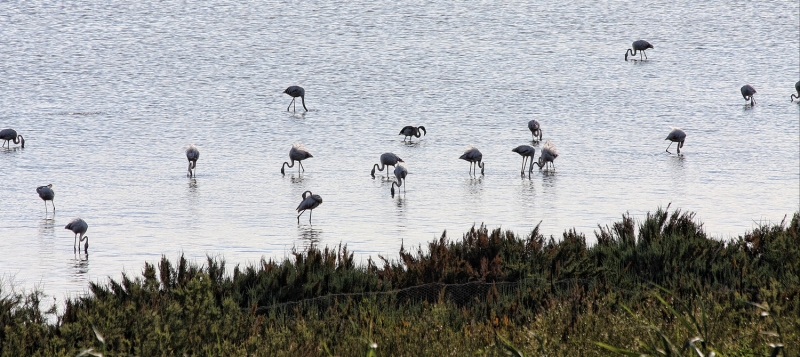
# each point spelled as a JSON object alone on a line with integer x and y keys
{"x": 79, "y": 226}
{"x": 46, "y": 194}
{"x": 676, "y": 136}
{"x": 310, "y": 201}
{"x": 8, "y": 135}
{"x": 192, "y": 154}
{"x": 549, "y": 153}
{"x": 409, "y": 131}
{"x": 525, "y": 151}
{"x": 641, "y": 46}
{"x": 298, "y": 153}
{"x": 533, "y": 126}
{"x": 400, "y": 173}
{"x": 294, "y": 92}
{"x": 747, "y": 93}
{"x": 474, "y": 156}
{"x": 387, "y": 159}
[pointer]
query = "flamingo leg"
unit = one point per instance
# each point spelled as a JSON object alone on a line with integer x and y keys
{"x": 309, "y": 216}
{"x": 298, "y": 216}
{"x": 301, "y": 165}
{"x": 530, "y": 168}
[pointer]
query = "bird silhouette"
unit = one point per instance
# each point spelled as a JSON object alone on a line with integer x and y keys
{"x": 526, "y": 151}
{"x": 797, "y": 88}
{"x": 549, "y": 153}
{"x": 298, "y": 153}
{"x": 192, "y": 154}
{"x": 400, "y": 173}
{"x": 641, "y": 46}
{"x": 387, "y": 159}
{"x": 410, "y": 131}
{"x": 46, "y": 194}
{"x": 676, "y": 136}
{"x": 474, "y": 157}
{"x": 533, "y": 126}
{"x": 8, "y": 135}
{"x": 747, "y": 93}
{"x": 309, "y": 202}
{"x": 294, "y": 92}
{"x": 79, "y": 226}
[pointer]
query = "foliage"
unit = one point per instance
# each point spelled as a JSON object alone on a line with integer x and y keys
{"x": 490, "y": 292}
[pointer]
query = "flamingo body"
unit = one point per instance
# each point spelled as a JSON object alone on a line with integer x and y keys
{"x": 9, "y": 135}
{"x": 400, "y": 173}
{"x": 535, "y": 129}
{"x": 409, "y": 131}
{"x": 549, "y": 154}
{"x": 676, "y": 136}
{"x": 474, "y": 157}
{"x": 79, "y": 226}
{"x": 310, "y": 201}
{"x": 294, "y": 92}
{"x": 638, "y": 46}
{"x": 298, "y": 153}
{"x": 192, "y": 154}
{"x": 526, "y": 151}
{"x": 747, "y": 92}
{"x": 387, "y": 159}
{"x": 46, "y": 193}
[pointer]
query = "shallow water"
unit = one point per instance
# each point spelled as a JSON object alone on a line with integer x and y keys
{"x": 108, "y": 96}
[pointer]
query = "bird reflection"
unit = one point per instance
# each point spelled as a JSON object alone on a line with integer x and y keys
{"x": 677, "y": 161}
{"x": 549, "y": 179}
{"x": 193, "y": 194}
{"x": 298, "y": 178}
{"x": 412, "y": 144}
{"x": 527, "y": 186}
{"x": 299, "y": 115}
{"x": 400, "y": 202}
{"x": 474, "y": 184}
{"x": 80, "y": 265}
{"x": 309, "y": 234}
{"x": 10, "y": 150}
{"x": 47, "y": 227}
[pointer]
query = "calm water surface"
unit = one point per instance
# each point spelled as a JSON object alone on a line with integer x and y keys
{"x": 109, "y": 95}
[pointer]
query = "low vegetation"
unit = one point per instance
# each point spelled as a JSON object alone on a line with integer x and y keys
{"x": 659, "y": 287}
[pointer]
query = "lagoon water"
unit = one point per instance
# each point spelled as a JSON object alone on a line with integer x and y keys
{"x": 108, "y": 95}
